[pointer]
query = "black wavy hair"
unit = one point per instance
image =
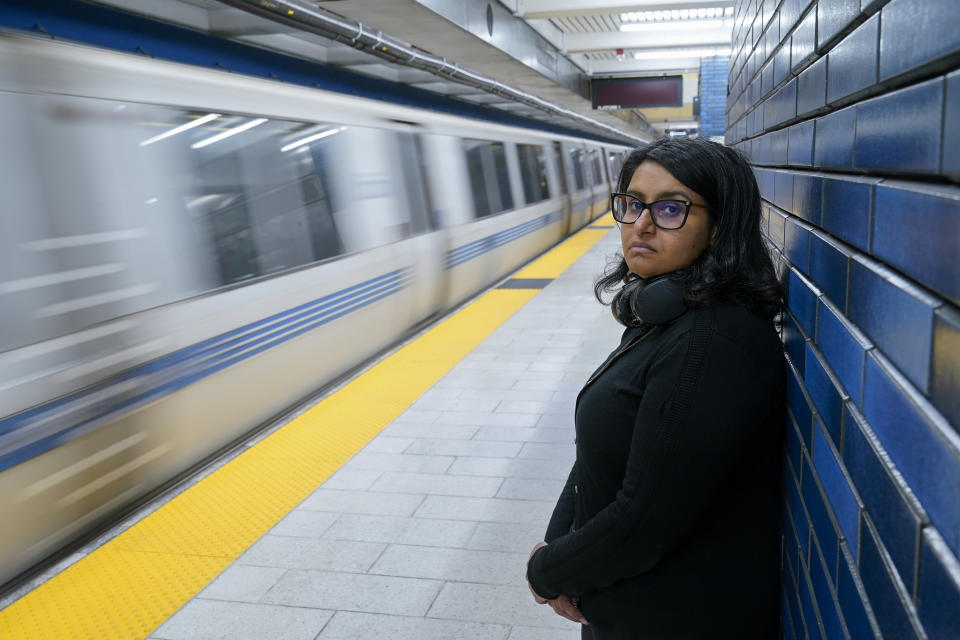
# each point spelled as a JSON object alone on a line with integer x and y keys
{"x": 737, "y": 266}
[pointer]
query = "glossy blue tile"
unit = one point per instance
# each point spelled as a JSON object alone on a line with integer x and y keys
{"x": 807, "y": 196}
{"x": 824, "y": 528}
{"x": 796, "y": 243}
{"x": 840, "y": 495}
{"x": 824, "y": 391}
{"x": 833, "y": 17}
{"x": 844, "y": 349}
{"x": 853, "y": 599}
{"x": 895, "y": 315}
{"x": 781, "y": 63}
{"x": 803, "y": 43}
{"x": 852, "y": 63}
{"x": 793, "y": 340}
{"x": 778, "y": 146}
{"x": 783, "y": 189}
{"x": 834, "y": 138}
{"x": 766, "y": 80}
{"x": 915, "y": 34}
{"x": 938, "y": 592}
{"x": 790, "y": 12}
{"x": 823, "y": 593}
{"x": 829, "y": 266}
{"x": 799, "y": 405}
{"x": 945, "y": 374}
{"x": 789, "y": 632}
{"x": 847, "y": 208}
{"x": 769, "y": 6}
{"x": 793, "y": 601}
{"x": 794, "y": 443}
{"x": 802, "y": 300}
{"x": 814, "y": 630}
{"x": 889, "y": 602}
{"x": 913, "y": 435}
{"x": 812, "y": 87}
{"x": 764, "y": 182}
{"x": 951, "y": 127}
{"x": 897, "y": 522}
{"x": 799, "y": 514}
{"x": 916, "y": 228}
{"x": 800, "y": 142}
{"x": 900, "y": 131}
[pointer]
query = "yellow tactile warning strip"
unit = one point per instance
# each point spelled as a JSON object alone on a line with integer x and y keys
{"x": 129, "y": 586}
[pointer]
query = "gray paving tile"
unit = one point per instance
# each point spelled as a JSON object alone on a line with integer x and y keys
{"x": 437, "y": 484}
{"x": 241, "y": 583}
{"x": 495, "y": 536}
{"x": 531, "y": 489}
{"x": 310, "y": 553}
{"x": 494, "y": 603}
{"x": 213, "y": 619}
{"x": 486, "y": 509}
{"x": 529, "y": 406}
{"x": 524, "y": 434}
{"x": 355, "y": 592}
{"x": 300, "y": 523}
{"x": 548, "y": 385}
{"x": 399, "y": 462}
{"x": 476, "y": 380}
{"x": 548, "y": 451}
{"x": 421, "y": 531}
{"x": 538, "y": 633}
{"x": 493, "y": 365}
{"x": 556, "y": 421}
{"x": 511, "y": 467}
{"x": 418, "y": 415}
{"x": 437, "y": 392}
{"x": 510, "y": 394}
{"x": 489, "y": 419}
{"x": 432, "y": 430}
{"x": 347, "y": 625}
{"x": 457, "y": 404}
{"x": 352, "y": 479}
{"x": 388, "y": 444}
{"x": 462, "y": 565}
{"x": 438, "y": 446}
{"x": 336, "y": 501}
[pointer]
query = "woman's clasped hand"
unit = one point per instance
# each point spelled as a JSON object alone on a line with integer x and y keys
{"x": 563, "y": 605}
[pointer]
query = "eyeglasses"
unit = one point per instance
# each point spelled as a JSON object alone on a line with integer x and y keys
{"x": 666, "y": 214}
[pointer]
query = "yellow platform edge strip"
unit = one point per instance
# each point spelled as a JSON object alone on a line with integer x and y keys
{"x": 129, "y": 586}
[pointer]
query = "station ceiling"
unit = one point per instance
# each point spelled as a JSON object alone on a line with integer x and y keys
{"x": 546, "y": 49}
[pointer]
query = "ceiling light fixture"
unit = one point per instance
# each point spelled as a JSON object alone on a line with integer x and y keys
{"x": 671, "y": 15}
{"x": 661, "y": 54}
{"x": 229, "y": 132}
{"x": 686, "y": 27}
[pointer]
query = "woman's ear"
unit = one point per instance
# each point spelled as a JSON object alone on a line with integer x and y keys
{"x": 713, "y": 234}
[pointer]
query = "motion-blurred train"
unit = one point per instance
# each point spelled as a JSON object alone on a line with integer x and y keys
{"x": 185, "y": 253}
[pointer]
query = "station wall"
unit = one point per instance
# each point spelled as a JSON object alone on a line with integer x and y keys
{"x": 849, "y": 111}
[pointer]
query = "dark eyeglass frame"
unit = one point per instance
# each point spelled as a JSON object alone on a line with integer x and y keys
{"x": 649, "y": 207}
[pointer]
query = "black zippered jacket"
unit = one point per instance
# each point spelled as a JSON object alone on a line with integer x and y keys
{"x": 668, "y": 524}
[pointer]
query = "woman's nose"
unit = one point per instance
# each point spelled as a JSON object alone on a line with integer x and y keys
{"x": 644, "y": 223}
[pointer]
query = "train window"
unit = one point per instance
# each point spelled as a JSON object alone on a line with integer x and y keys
{"x": 576, "y": 163}
{"x": 411, "y": 164}
{"x": 489, "y": 180}
{"x": 533, "y": 170}
{"x": 597, "y": 167}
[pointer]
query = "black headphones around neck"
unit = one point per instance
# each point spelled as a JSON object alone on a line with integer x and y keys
{"x": 649, "y": 302}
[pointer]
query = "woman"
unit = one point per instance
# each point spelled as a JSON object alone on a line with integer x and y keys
{"x": 668, "y": 525}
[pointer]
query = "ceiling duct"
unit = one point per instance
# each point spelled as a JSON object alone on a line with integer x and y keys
{"x": 310, "y": 18}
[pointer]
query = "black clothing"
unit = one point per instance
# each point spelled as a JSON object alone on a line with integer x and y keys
{"x": 668, "y": 525}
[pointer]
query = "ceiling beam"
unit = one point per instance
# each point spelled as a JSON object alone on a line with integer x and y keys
{"x": 666, "y": 38}
{"x": 545, "y": 9}
{"x": 632, "y": 67}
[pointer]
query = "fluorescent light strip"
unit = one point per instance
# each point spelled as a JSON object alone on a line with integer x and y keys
{"x": 229, "y": 132}
{"x": 309, "y": 139}
{"x": 677, "y": 14}
{"x": 661, "y": 54}
{"x": 699, "y": 25}
{"x": 184, "y": 127}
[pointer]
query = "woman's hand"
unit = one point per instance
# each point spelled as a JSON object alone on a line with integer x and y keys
{"x": 536, "y": 596}
{"x": 562, "y": 605}
{"x": 566, "y": 607}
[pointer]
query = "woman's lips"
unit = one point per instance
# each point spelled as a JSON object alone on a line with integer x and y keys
{"x": 641, "y": 247}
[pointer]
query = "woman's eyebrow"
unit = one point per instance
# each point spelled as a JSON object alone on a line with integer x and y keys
{"x": 664, "y": 194}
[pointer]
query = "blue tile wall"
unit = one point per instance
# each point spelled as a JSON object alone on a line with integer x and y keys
{"x": 917, "y": 231}
{"x": 890, "y": 605}
{"x": 945, "y": 372}
{"x": 913, "y": 35}
{"x": 858, "y": 155}
{"x": 852, "y": 63}
{"x": 896, "y": 518}
{"x": 882, "y": 142}
{"x": 938, "y": 598}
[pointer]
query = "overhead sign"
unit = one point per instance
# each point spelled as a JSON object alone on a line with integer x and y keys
{"x": 633, "y": 93}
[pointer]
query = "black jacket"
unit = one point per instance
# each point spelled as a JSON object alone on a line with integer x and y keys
{"x": 668, "y": 524}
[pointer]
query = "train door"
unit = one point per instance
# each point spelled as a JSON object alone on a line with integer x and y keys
{"x": 564, "y": 183}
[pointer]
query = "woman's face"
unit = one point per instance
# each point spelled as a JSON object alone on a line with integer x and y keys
{"x": 651, "y": 251}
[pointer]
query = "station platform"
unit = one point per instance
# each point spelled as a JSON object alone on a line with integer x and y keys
{"x": 402, "y": 505}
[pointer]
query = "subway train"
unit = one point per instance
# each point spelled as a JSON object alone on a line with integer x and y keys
{"x": 186, "y": 253}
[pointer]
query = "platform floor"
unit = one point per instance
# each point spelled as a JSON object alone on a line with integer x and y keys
{"x": 425, "y": 532}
